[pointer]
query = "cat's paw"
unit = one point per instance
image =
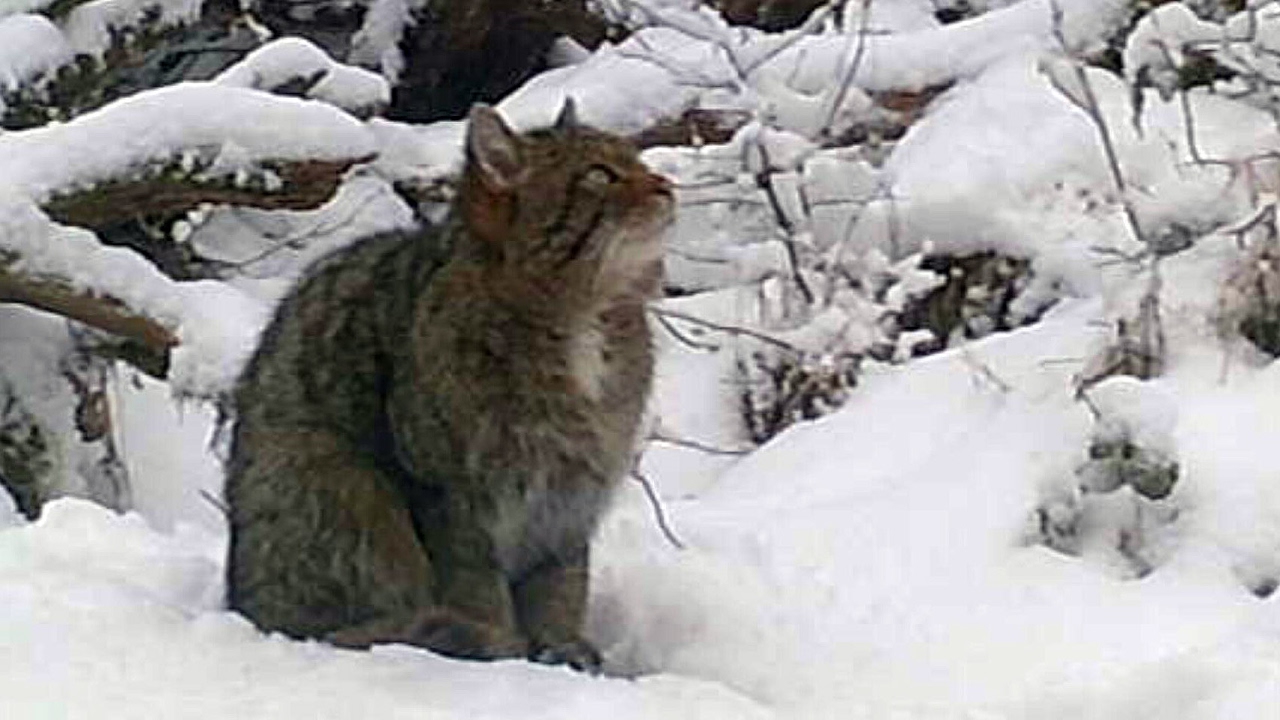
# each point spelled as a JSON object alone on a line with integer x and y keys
{"x": 439, "y": 630}
{"x": 577, "y": 654}
{"x": 467, "y": 639}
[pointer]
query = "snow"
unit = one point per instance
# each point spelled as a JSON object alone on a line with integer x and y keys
{"x": 1161, "y": 39}
{"x": 160, "y": 124}
{"x": 15, "y": 7}
{"x": 90, "y": 26}
{"x": 377, "y": 43}
{"x": 849, "y": 570}
{"x": 293, "y": 59}
{"x": 30, "y": 46}
{"x": 659, "y": 72}
{"x": 146, "y": 638}
{"x": 33, "y": 45}
{"x": 889, "y": 561}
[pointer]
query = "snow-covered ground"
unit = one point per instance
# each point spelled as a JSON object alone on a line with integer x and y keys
{"x": 875, "y": 564}
{"x": 887, "y": 562}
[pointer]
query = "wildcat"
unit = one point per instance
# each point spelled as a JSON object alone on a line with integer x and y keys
{"x": 433, "y": 423}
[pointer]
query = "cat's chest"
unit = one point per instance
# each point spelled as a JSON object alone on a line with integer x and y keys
{"x": 589, "y": 366}
{"x": 534, "y": 522}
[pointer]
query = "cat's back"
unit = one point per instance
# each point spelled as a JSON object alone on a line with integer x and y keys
{"x": 323, "y": 358}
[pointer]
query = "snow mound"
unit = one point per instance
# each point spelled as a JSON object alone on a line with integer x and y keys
{"x": 105, "y": 617}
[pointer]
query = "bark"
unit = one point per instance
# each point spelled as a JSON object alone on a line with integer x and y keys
{"x": 771, "y": 15}
{"x": 480, "y": 50}
{"x": 57, "y": 296}
{"x": 305, "y": 185}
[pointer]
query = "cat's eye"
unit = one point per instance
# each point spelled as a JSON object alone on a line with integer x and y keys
{"x": 600, "y": 176}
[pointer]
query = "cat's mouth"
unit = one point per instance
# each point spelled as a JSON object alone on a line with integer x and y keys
{"x": 662, "y": 193}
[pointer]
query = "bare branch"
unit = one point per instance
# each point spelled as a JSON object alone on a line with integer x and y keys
{"x": 658, "y": 513}
{"x": 215, "y": 502}
{"x": 730, "y": 329}
{"x": 661, "y": 436}
{"x": 764, "y": 181}
{"x": 811, "y": 25}
{"x": 1090, "y": 105}
{"x": 984, "y": 371}
{"x": 683, "y": 337}
{"x": 851, "y": 70}
{"x": 1140, "y": 344}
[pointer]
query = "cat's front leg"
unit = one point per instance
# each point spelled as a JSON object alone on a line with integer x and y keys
{"x": 470, "y": 585}
{"x": 550, "y": 604}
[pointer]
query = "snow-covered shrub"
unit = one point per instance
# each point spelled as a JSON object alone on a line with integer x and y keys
{"x": 1134, "y": 347}
{"x": 1251, "y": 294}
{"x": 1132, "y": 440}
{"x": 783, "y": 388}
{"x": 975, "y": 298}
{"x": 1229, "y": 46}
{"x": 1118, "y": 506}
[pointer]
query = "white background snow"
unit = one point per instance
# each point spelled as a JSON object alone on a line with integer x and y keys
{"x": 880, "y": 563}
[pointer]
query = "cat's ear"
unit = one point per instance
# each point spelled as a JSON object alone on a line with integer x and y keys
{"x": 493, "y": 150}
{"x": 568, "y": 117}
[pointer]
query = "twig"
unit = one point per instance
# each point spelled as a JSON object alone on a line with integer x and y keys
{"x": 730, "y": 329}
{"x": 984, "y": 371}
{"x": 731, "y": 201}
{"x": 851, "y": 70}
{"x": 764, "y": 182}
{"x": 1093, "y": 109}
{"x": 695, "y": 257}
{"x": 662, "y": 437}
{"x": 1264, "y": 216}
{"x": 1151, "y": 338}
{"x": 320, "y": 228}
{"x": 1050, "y": 362}
{"x": 656, "y": 504}
{"x": 684, "y": 339}
{"x": 807, "y": 28}
{"x": 216, "y": 502}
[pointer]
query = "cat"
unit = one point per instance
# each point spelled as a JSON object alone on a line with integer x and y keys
{"x": 433, "y": 423}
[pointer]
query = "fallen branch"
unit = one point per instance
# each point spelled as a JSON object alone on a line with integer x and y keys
{"x": 171, "y": 190}
{"x": 103, "y": 313}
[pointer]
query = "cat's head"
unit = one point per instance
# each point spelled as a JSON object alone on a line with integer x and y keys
{"x": 568, "y": 202}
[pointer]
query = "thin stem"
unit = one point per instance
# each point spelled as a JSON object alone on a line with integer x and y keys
{"x": 851, "y": 70}
{"x": 656, "y": 504}
{"x": 662, "y": 437}
{"x": 730, "y": 329}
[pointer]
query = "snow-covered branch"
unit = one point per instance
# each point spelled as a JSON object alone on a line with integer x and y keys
{"x": 294, "y": 66}
{"x": 57, "y": 296}
{"x": 175, "y": 188}
{"x": 160, "y": 152}
{"x": 245, "y": 130}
